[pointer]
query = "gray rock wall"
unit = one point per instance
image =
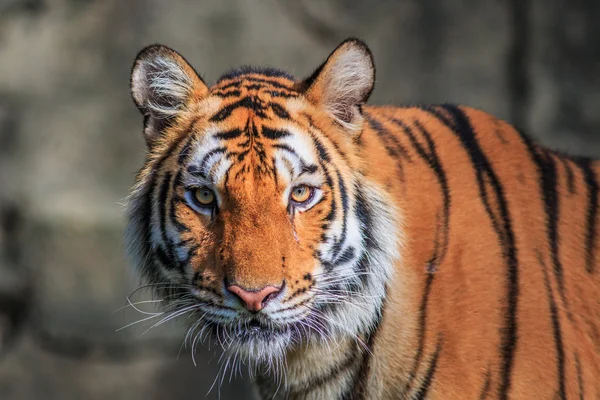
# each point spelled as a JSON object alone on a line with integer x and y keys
{"x": 70, "y": 143}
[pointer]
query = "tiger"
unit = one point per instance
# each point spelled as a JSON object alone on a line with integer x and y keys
{"x": 340, "y": 250}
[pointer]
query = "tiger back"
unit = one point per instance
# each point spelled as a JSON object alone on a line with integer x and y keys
{"x": 341, "y": 250}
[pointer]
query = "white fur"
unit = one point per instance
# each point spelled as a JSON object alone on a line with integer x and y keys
{"x": 345, "y": 83}
{"x": 161, "y": 86}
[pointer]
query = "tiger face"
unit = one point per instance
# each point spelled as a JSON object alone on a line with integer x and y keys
{"x": 251, "y": 212}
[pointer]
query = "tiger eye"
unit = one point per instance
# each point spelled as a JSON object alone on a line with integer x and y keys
{"x": 301, "y": 194}
{"x": 204, "y": 196}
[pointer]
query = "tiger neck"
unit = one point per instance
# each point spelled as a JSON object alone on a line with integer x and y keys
{"x": 318, "y": 371}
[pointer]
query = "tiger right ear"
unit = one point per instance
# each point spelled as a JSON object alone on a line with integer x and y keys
{"x": 343, "y": 83}
{"x": 162, "y": 84}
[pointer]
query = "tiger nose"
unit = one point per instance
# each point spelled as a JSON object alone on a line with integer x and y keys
{"x": 254, "y": 300}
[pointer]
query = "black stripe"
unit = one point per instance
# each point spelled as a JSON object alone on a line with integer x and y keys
{"x": 274, "y": 134}
{"x": 324, "y": 159}
{"x": 556, "y": 332}
{"x": 592, "y": 212}
{"x": 365, "y": 217}
{"x": 179, "y": 226}
{"x": 183, "y": 154}
{"x": 270, "y": 82}
{"x": 247, "y": 78}
{"x": 360, "y": 385}
{"x": 548, "y": 184}
{"x": 249, "y": 102}
{"x": 162, "y": 256}
{"x": 569, "y": 172}
{"x": 309, "y": 169}
{"x": 433, "y": 161}
{"x": 486, "y": 176}
{"x": 222, "y": 114}
{"x": 163, "y": 204}
{"x": 392, "y": 145}
{"x": 338, "y": 244}
{"x": 422, "y": 332}
{"x": 145, "y": 207}
{"x": 201, "y": 169}
{"x": 191, "y": 252}
{"x": 279, "y": 111}
{"x": 323, "y": 154}
{"x": 429, "y": 376}
{"x": 275, "y": 176}
{"x": 485, "y": 390}
{"x": 304, "y": 167}
{"x": 283, "y": 93}
{"x": 315, "y": 383}
{"x": 227, "y": 94}
{"x": 579, "y": 377}
{"x": 227, "y": 135}
{"x": 347, "y": 256}
{"x": 311, "y": 124}
{"x": 441, "y": 113}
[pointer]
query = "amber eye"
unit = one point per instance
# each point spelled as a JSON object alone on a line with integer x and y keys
{"x": 204, "y": 196}
{"x": 301, "y": 194}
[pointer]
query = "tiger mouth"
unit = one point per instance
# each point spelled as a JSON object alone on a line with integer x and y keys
{"x": 252, "y": 332}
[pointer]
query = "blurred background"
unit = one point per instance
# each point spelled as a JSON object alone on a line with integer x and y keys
{"x": 71, "y": 141}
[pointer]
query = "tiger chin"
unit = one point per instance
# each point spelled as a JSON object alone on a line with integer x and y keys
{"x": 348, "y": 251}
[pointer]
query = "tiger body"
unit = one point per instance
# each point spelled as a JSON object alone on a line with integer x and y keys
{"x": 441, "y": 255}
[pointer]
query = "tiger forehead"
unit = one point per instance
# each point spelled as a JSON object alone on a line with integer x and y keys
{"x": 274, "y": 86}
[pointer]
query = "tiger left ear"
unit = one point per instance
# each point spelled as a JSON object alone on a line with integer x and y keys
{"x": 343, "y": 83}
{"x": 162, "y": 84}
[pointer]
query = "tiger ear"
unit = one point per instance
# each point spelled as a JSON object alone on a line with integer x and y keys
{"x": 162, "y": 84}
{"x": 343, "y": 83}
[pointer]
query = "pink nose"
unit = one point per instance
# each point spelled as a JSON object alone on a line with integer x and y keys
{"x": 254, "y": 300}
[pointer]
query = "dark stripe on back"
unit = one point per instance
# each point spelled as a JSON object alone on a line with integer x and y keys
{"x": 392, "y": 145}
{"x": 433, "y": 161}
{"x": 486, "y": 176}
{"x": 548, "y": 185}
{"x": 579, "y": 377}
{"x": 569, "y": 173}
{"x": 556, "y": 331}
{"x": 592, "y": 212}
{"x": 485, "y": 390}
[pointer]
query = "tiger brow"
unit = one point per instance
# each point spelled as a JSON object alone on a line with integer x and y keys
{"x": 308, "y": 169}
{"x": 201, "y": 169}
{"x": 305, "y": 168}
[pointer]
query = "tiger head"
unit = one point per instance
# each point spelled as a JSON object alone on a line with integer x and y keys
{"x": 252, "y": 213}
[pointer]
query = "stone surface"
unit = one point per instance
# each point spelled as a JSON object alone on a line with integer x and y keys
{"x": 564, "y": 60}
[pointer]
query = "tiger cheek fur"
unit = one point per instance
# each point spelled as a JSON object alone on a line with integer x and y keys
{"x": 346, "y": 251}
